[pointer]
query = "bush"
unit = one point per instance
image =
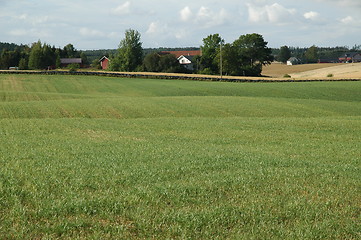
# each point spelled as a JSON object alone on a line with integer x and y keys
{"x": 330, "y": 75}
{"x": 23, "y": 65}
{"x": 73, "y": 67}
{"x": 206, "y": 71}
{"x": 286, "y": 76}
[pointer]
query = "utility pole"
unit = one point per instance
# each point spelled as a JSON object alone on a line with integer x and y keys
{"x": 221, "y": 67}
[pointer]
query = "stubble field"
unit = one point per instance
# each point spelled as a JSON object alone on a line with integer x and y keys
{"x": 314, "y": 71}
{"x": 111, "y": 158}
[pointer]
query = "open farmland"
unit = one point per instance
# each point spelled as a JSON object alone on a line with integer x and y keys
{"x": 112, "y": 158}
{"x": 349, "y": 70}
{"x": 279, "y": 70}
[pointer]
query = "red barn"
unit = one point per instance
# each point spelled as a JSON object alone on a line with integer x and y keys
{"x": 104, "y": 62}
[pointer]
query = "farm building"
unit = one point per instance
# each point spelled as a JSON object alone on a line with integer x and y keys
{"x": 293, "y": 61}
{"x": 350, "y": 57}
{"x": 328, "y": 60}
{"x": 67, "y": 61}
{"x": 187, "y": 61}
{"x": 104, "y": 62}
{"x": 185, "y": 58}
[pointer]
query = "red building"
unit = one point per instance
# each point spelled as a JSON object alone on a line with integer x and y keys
{"x": 104, "y": 62}
{"x": 350, "y": 57}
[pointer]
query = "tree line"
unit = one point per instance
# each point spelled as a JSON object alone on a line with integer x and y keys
{"x": 244, "y": 56}
{"x": 37, "y": 56}
{"x": 313, "y": 54}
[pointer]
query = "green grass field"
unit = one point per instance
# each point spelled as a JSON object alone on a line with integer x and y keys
{"x": 112, "y": 158}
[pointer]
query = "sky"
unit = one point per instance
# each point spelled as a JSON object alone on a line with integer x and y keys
{"x": 101, "y": 24}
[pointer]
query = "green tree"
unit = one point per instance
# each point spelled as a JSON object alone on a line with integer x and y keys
{"x": 154, "y": 62}
{"x": 23, "y": 65}
{"x": 229, "y": 63}
{"x": 252, "y": 53}
{"x": 130, "y": 53}
{"x": 169, "y": 63}
{"x": 210, "y": 49}
{"x": 311, "y": 55}
{"x": 84, "y": 58}
{"x": 151, "y": 62}
{"x": 35, "y": 57}
{"x": 57, "y": 60}
{"x": 48, "y": 57}
{"x": 70, "y": 51}
{"x": 284, "y": 54}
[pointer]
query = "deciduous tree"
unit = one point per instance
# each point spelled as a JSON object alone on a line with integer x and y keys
{"x": 210, "y": 49}
{"x": 36, "y": 55}
{"x": 130, "y": 53}
{"x": 311, "y": 55}
{"x": 284, "y": 54}
{"x": 252, "y": 53}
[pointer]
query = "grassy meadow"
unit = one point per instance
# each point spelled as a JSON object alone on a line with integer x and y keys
{"x": 113, "y": 158}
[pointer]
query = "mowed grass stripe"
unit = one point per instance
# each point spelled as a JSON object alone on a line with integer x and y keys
{"x": 140, "y": 107}
{"x": 281, "y": 178}
{"x": 33, "y": 96}
{"x": 112, "y": 87}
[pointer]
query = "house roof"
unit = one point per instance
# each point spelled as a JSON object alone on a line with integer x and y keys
{"x": 70, "y": 60}
{"x": 184, "y": 53}
{"x": 292, "y": 59}
{"x": 189, "y": 57}
{"x": 103, "y": 58}
{"x": 357, "y": 57}
{"x": 349, "y": 54}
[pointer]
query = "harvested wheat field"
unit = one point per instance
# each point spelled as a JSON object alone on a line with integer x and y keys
{"x": 350, "y": 70}
{"x": 280, "y": 69}
{"x": 322, "y": 70}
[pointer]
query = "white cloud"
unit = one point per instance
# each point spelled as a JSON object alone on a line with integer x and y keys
{"x": 344, "y": 3}
{"x": 87, "y": 32}
{"x": 22, "y": 17}
{"x": 204, "y": 13}
{"x": 114, "y": 35}
{"x": 208, "y": 18}
{"x": 274, "y": 13}
{"x": 122, "y": 9}
{"x": 181, "y": 34}
{"x": 312, "y": 15}
{"x": 186, "y": 14}
{"x": 351, "y": 21}
{"x": 347, "y": 20}
{"x": 34, "y": 20}
{"x": 19, "y": 32}
{"x": 29, "y": 33}
{"x": 40, "y": 20}
{"x": 205, "y": 17}
{"x": 157, "y": 28}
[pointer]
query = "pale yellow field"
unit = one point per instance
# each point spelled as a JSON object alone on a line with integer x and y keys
{"x": 279, "y": 69}
{"x": 319, "y": 70}
{"x": 349, "y": 70}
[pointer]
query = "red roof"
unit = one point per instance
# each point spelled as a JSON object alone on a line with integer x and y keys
{"x": 184, "y": 53}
